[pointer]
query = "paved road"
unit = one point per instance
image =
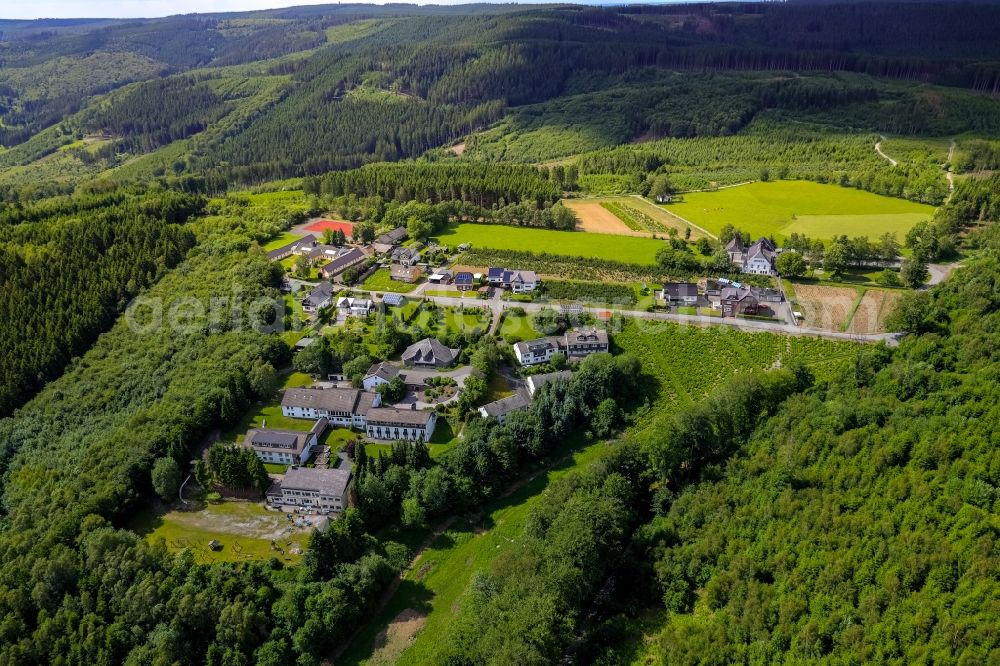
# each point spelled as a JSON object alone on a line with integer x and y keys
{"x": 694, "y": 320}
{"x": 939, "y": 272}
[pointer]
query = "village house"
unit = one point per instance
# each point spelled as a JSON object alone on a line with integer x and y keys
{"x": 440, "y": 277}
{"x": 400, "y": 424}
{"x": 318, "y": 490}
{"x": 584, "y": 342}
{"x": 318, "y": 298}
{"x": 679, "y": 293}
{"x": 284, "y": 447}
{"x": 738, "y": 300}
{"x": 378, "y": 374}
{"x": 464, "y": 281}
{"x": 519, "y": 282}
{"x": 407, "y": 256}
{"x": 499, "y": 409}
{"x": 341, "y": 407}
{"x": 357, "y": 307}
{"x": 347, "y": 258}
{"x": 387, "y": 241}
{"x": 429, "y": 353}
{"x": 533, "y": 352}
{"x": 536, "y": 382}
{"x": 299, "y": 246}
{"x": 758, "y": 259}
{"x": 408, "y": 274}
{"x": 393, "y": 300}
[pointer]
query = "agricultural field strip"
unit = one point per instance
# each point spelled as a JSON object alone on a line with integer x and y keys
{"x": 634, "y": 219}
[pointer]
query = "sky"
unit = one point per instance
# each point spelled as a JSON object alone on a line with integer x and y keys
{"x": 31, "y": 9}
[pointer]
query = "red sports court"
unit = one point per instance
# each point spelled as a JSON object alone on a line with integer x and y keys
{"x": 320, "y": 226}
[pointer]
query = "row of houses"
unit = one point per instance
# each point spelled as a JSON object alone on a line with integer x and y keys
{"x": 575, "y": 344}
{"x": 733, "y": 298}
{"x": 321, "y": 296}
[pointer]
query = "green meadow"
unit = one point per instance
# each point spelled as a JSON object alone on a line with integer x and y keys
{"x": 794, "y": 206}
{"x": 630, "y": 249}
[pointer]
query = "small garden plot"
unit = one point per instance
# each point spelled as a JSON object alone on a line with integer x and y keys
{"x": 439, "y": 389}
{"x": 635, "y": 219}
{"x": 380, "y": 280}
{"x": 517, "y": 327}
{"x": 825, "y": 307}
{"x": 875, "y": 307}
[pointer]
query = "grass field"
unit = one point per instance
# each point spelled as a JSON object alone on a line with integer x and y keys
{"x": 630, "y": 249}
{"x": 282, "y": 240}
{"x": 245, "y": 530}
{"x": 271, "y": 413}
{"x": 516, "y": 328}
{"x": 686, "y": 362}
{"x": 817, "y": 210}
{"x": 380, "y": 281}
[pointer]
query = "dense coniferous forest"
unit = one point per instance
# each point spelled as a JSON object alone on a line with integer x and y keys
{"x": 352, "y": 85}
{"x": 69, "y": 269}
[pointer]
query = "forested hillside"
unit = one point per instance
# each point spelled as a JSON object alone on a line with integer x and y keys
{"x": 858, "y": 524}
{"x": 742, "y": 497}
{"x": 269, "y": 95}
{"x": 68, "y": 268}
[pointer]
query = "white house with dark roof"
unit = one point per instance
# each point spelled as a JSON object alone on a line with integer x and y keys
{"x": 311, "y": 489}
{"x": 499, "y": 409}
{"x": 357, "y": 307}
{"x": 378, "y": 374}
{"x": 284, "y": 447}
{"x": 407, "y": 256}
{"x": 519, "y": 282}
{"x": 679, "y": 293}
{"x": 585, "y": 341}
{"x": 758, "y": 259}
{"x": 536, "y": 382}
{"x": 342, "y": 407}
{"x": 533, "y": 352}
{"x": 429, "y": 353}
{"x": 389, "y": 423}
